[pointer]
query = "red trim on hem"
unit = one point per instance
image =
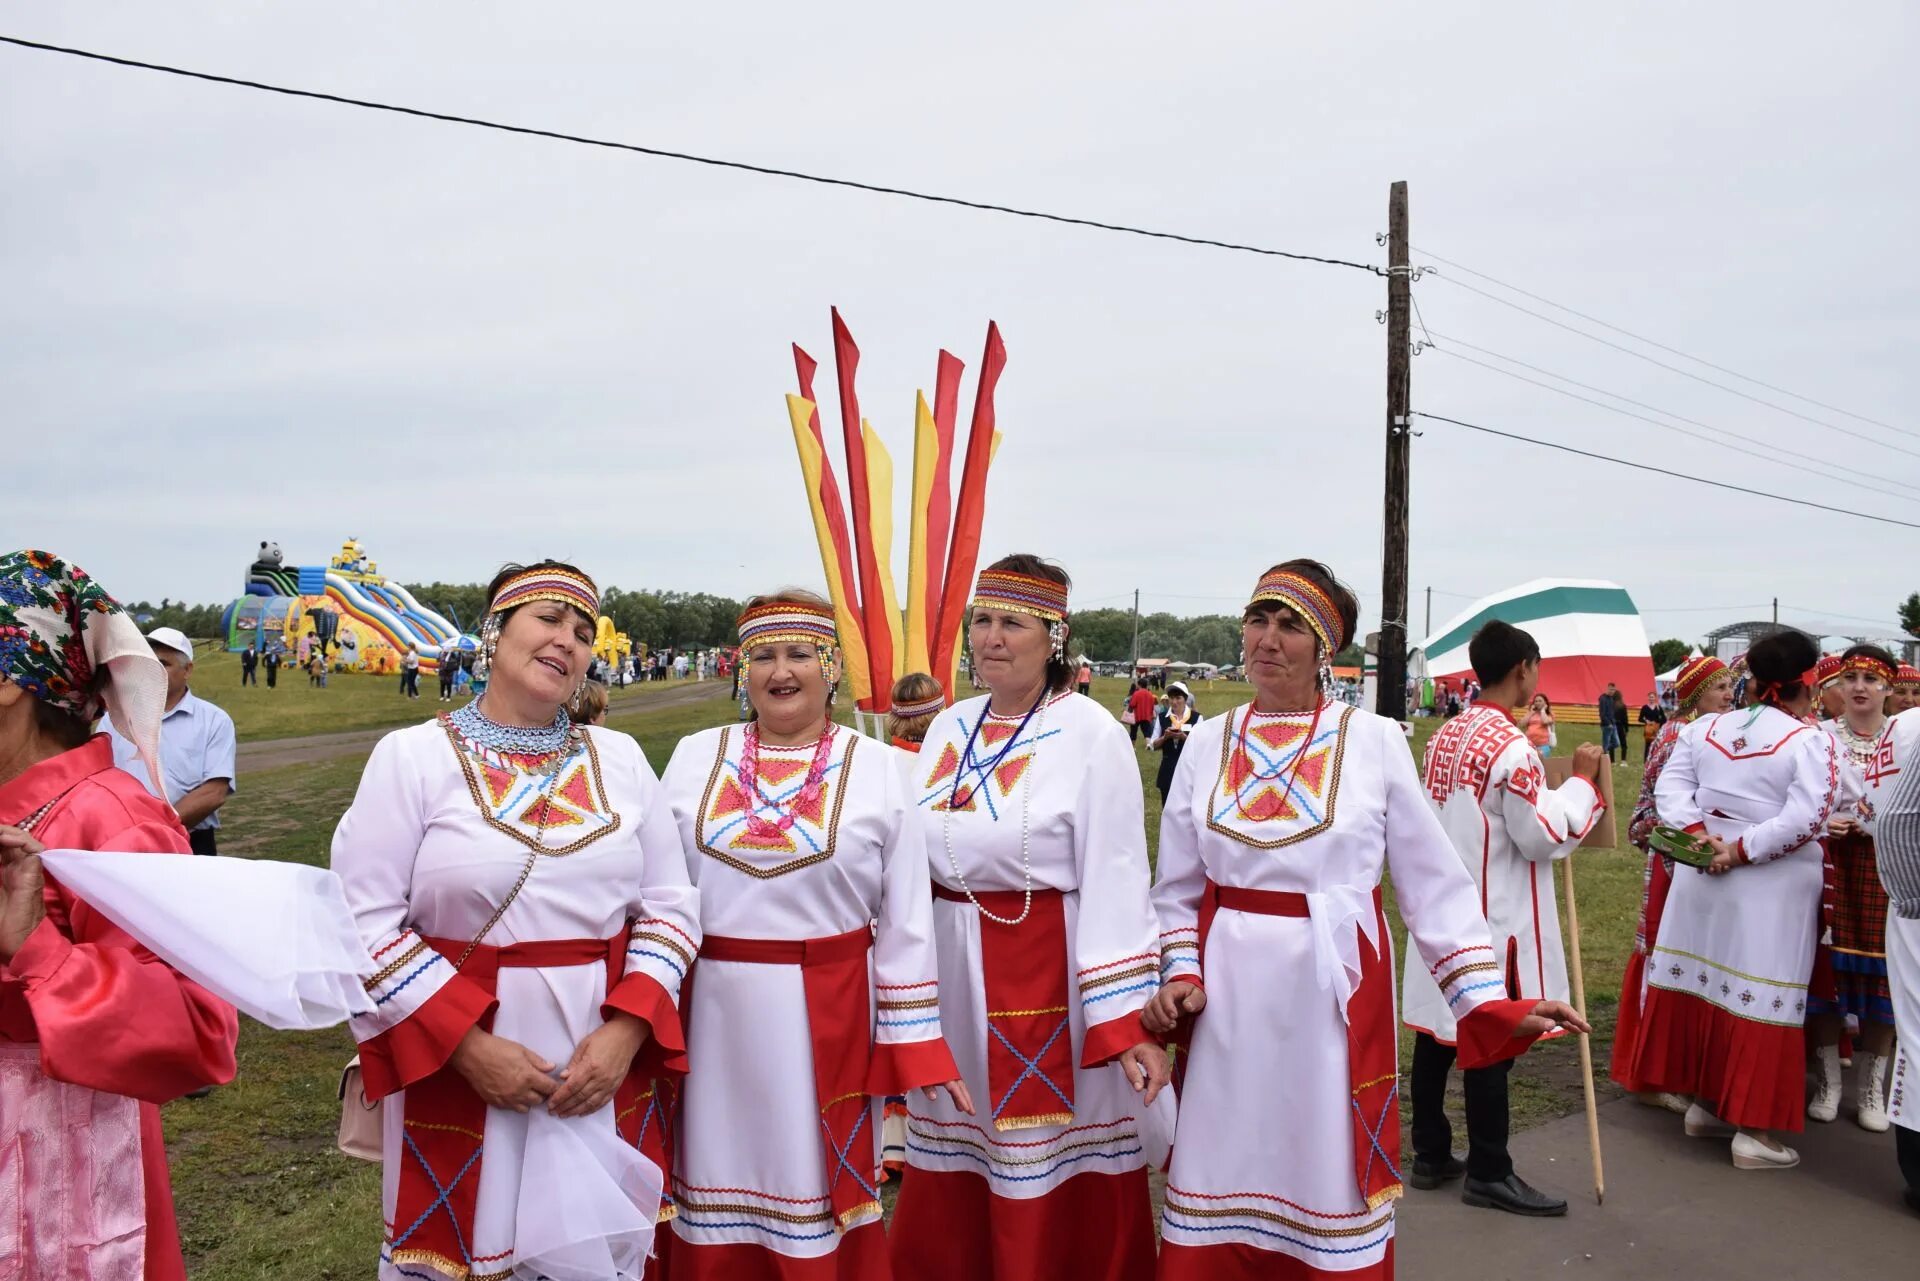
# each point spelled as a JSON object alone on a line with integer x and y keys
{"x": 859, "y": 1255}
{"x": 1750, "y": 1074}
{"x": 949, "y": 1226}
{"x": 1234, "y": 1261}
{"x": 1107, "y": 1041}
{"x": 420, "y": 1044}
{"x": 641, "y": 995}
{"x": 907, "y": 1065}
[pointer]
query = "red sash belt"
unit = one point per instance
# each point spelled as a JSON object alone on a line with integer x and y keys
{"x": 1024, "y": 970}
{"x": 1372, "y": 1048}
{"x": 833, "y": 974}
{"x": 445, "y": 1121}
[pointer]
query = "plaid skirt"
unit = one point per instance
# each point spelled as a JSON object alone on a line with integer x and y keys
{"x": 1859, "y": 917}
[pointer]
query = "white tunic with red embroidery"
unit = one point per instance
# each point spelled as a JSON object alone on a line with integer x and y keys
{"x": 1267, "y": 1179}
{"x": 1727, "y": 976}
{"x": 431, "y": 847}
{"x": 1508, "y": 827}
{"x": 979, "y": 1189}
{"x": 752, "y": 1165}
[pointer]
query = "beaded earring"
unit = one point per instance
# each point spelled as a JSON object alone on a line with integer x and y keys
{"x": 1057, "y": 633}
{"x": 489, "y": 643}
{"x": 577, "y": 703}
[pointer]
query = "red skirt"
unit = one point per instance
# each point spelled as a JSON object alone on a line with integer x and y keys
{"x": 1237, "y": 1262}
{"x": 949, "y": 1226}
{"x": 1748, "y": 1073}
{"x": 1633, "y": 989}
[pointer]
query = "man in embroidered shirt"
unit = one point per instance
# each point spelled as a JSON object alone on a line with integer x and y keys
{"x": 1489, "y": 787}
{"x": 196, "y": 746}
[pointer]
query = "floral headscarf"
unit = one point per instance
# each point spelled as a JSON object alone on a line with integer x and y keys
{"x": 58, "y": 628}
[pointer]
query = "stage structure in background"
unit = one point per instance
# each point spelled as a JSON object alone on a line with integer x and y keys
{"x": 1589, "y": 634}
{"x": 878, "y": 639}
{"x": 361, "y": 620}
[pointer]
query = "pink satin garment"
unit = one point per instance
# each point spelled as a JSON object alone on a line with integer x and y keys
{"x": 72, "y": 1200}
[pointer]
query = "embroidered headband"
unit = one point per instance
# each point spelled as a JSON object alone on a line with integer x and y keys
{"x": 1306, "y": 598}
{"x": 782, "y": 621}
{"x": 1825, "y": 671}
{"x": 1864, "y": 663}
{"x": 548, "y": 583}
{"x": 1907, "y": 678}
{"x": 1020, "y": 594}
{"x": 1695, "y": 675}
{"x": 926, "y": 707}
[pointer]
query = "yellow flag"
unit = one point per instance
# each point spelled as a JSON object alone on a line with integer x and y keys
{"x": 926, "y": 455}
{"x": 880, "y": 518}
{"x": 853, "y": 645}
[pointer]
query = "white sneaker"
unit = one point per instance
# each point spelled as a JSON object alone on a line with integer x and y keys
{"x": 1674, "y": 1103}
{"x": 1702, "y": 1124}
{"x": 1826, "y": 1094}
{"x": 1873, "y": 1093}
{"x": 1750, "y": 1153}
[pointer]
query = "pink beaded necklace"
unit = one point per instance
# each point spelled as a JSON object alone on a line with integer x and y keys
{"x": 808, "y": 795}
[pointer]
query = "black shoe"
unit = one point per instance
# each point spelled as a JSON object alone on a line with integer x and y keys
{"x": 1427, "y": 1176}
{"x": 200, "y": 1093}
{"x": 1514, "y": 1195}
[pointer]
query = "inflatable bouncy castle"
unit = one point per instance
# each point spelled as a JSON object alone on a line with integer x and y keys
{"x": 359, "y": 620}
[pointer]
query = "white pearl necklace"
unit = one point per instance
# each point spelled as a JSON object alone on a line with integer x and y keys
{"x": 1026, "y": 857}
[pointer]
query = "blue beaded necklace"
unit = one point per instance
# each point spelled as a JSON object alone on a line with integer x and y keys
{"x": 483, "y": 732}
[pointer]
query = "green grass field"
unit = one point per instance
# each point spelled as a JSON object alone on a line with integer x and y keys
{"x": 297, "y": 707}
{"x": 260, "y": 1189}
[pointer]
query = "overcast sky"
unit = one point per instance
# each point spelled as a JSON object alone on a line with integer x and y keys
{"x": 228, "y": 316}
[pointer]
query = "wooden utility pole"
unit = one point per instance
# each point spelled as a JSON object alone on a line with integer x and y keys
{"x": 1136, "y": 632}
{"x": 1390, "y": 697}
{"x": 1429, "y": 627}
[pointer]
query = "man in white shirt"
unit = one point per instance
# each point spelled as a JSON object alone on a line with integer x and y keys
{"x": 196, "y": 746}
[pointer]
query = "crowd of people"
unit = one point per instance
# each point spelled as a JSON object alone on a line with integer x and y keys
{"x": 946, "y": 952}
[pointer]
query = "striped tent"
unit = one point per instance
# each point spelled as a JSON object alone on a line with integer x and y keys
{"x": 1589, "y": 633}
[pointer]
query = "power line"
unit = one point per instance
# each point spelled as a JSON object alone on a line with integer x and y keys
{"x": 1905, "y": 496}
{"x": 1660, "y": 345}
{"x": 1675, "y": 369}
{"x": 1697, "y": 480}
{"x": 662, "y": 153}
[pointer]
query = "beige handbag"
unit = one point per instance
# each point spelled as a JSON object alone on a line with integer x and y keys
{"x": 360, "y": 1121}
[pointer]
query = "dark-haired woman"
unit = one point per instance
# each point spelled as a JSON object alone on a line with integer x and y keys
{"x": 1726, "y": 1005}
{"x": 1284, "y": 816}
{"x": 1029, "y": 800}
{"x": 1862, "y": 735}
{"x": 519, "y": 879}
{"x": 95, "y": 1031}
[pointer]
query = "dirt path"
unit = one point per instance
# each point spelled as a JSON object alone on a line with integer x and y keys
{"x": 276, "y": 753}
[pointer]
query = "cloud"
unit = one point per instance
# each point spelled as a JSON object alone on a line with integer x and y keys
{"x": 232, "y": 316}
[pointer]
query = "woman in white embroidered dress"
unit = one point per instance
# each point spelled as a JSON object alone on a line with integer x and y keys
{"x": 799, "y": 835}
{"x": 1727, "y": 975}
{"x": 1030, "y": 804}
{"x": 520, "y": 881}
{"x": 1284, "y": 815}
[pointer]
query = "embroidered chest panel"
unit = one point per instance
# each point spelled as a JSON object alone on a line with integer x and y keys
{"x": 555, "y": 814}
{"x": 1282, "y": 785}
{"x": 991, "y": 773}
{"x": 774, "y": 847}
{"x": 1462, "y": 754}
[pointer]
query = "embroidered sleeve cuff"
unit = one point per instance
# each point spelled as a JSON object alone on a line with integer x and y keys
{"x": 1108, "y": 1041}
{"x": 901, "y": 1066}
{"x": 44, "y": 952}
{"x": 660, "y": 949}
{"x": 1696, "y": 829}
{"x": 641, "y": 995}
{"x": 420, "y": 1044}
{"x": 1488, "y": 1033}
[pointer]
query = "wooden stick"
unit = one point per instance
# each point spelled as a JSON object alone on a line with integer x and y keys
{"x": 1586, "y": 1047}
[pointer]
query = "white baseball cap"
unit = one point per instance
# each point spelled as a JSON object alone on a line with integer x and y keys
{"x": 174, "y": 639}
